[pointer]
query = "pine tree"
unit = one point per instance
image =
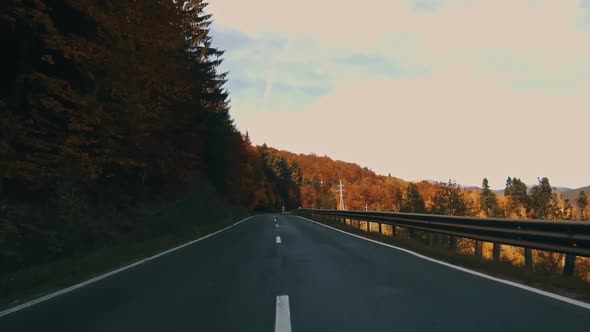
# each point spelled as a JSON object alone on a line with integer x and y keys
{"x": 582, "y": 203}
{"x": 541, "y": 199}
{"x": 516, "y": 191}
{"x": 412, "y": 201}
{"x": 488, "y": 200}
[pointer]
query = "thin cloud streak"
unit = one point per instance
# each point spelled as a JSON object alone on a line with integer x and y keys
{"x": 421, "y": 89}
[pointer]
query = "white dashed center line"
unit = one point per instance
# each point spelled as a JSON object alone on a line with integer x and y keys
{"x": 283, "y": 317}
{"x": 278, "y": 239}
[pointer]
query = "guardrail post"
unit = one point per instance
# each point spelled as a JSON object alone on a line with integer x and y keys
{"x": 452, "y": 242}
{"x": 570, "y": 265}
{"x": 438, "y": 239}
{"x": 478, "y": 248}
{"x": 497, "y": 249}
{"x": 528, "y": 259}
{"x": 532, "y": 235}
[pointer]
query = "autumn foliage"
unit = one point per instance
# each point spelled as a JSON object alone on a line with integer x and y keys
{"x": 113, "y": 113}
{"x": 109, "y": 109}
{"x": 364, "y": 189}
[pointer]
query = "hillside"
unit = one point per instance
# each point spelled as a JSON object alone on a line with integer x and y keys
{"x": 572, "y": 194}
{"x": 561, "y": 190}
{"x": 320, "y": 176}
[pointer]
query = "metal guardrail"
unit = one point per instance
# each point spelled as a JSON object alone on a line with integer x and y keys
{"x": 568, "y": 237}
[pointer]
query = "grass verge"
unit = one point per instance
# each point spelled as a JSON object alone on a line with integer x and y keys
{"x": 37, "y": 281}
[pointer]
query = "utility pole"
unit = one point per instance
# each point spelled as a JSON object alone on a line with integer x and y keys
{"x": 366, "y": 206}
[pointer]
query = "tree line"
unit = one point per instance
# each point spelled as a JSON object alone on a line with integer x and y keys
{"x": 540, "y": 202}
{"x": 367, "y": 190}
{"x": 108, "y": 106}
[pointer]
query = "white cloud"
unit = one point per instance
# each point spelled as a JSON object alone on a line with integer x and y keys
{"x": 445, "y": 126}
{"x": 506, "y": 92}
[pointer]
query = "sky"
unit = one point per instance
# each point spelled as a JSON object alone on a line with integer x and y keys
{"x": 421, "y": 89}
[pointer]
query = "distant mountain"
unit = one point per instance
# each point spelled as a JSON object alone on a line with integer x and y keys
{"x": 572, "y": 194}
{"x": 500, "y": 192}
{"x": 563, "y": 189}
{"x": 469, "y": 188}
{"x": 566, "y": 192}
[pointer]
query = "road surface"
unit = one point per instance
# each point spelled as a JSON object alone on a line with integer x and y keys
{"x": 295, "y": 275}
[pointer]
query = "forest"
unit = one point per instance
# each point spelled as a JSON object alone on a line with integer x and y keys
{"x": 364, "y": 189}
{"x": 115, "y": 127}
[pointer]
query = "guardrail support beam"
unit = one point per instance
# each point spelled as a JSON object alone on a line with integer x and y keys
{"x": 497, "y": 250}
{"x": 478, "y": 248}
{"x": 529, "y": 264}
{"x": 569, "y": 267}
{"x": 452, "y": 242}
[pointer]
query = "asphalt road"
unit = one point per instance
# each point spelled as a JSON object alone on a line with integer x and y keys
{"x": 334, "y": 282}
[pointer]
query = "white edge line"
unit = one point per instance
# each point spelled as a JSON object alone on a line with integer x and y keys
{"x": 106, "y": 275}
{"x": 479, "y": 274}
{"x": 283, "y": 314}
{"x": 278, "y": 239}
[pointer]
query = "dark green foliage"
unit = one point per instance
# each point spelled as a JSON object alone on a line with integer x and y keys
{"x": 285, "y": 176}
{"x": 412, "y": 200}
{"x": 540, "y": 200}
{"x": 516, "y": 190}
{"x": 582, "y": 203}
{"x": 489, "y": 201}
{"x": 107, "y": 105}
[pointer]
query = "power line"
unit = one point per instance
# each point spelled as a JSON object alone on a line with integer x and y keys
{"x": 341, "y": 189}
